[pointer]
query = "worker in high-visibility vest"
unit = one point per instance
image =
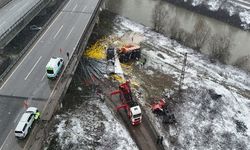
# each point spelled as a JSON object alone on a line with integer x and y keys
{"x": 37, "y": 115}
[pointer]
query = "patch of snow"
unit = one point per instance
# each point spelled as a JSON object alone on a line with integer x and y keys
{"x": 79, "y": 88}
{"x": 233, "y": 7}
{"x": 214, "y": 5}
{"x": 245, "y": 16}
{"x": 114, "y": 129}
{"x": 92, "y": 127}
{"x": 149, "y": 72}
{"x": 203, "y": 122}
{"x": 197, "y": 2}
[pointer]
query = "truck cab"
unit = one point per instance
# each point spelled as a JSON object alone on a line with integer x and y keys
{"x": 54, "y": 67}
{"x": 136, "y": 115}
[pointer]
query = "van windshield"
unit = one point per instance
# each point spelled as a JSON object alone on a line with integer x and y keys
{"x": 18, "y": 132}
{"x": 50, "y": 71}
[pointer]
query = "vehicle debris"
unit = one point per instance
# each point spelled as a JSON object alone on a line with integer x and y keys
{"x": 160, "y": 108}
{"x": 129, "y": 52}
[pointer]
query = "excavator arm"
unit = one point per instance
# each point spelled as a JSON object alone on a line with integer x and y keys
{"x": 115, "y": 92}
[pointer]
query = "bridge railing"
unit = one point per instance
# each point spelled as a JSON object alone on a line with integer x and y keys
{"x": 68, "y": 73}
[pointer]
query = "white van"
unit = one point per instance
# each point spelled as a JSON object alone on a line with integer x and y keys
{"x": 54, "y": 66}
{"x": 25, "y": 123}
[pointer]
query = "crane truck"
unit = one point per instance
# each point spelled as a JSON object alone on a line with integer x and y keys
{"x": 128, "y": 103}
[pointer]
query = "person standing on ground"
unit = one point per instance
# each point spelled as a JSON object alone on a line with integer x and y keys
{"x": 37, "y": 115}
{"x": 67, "y": 55}
{"x": 158, "y": 140}
{"x": 161, "y": 139}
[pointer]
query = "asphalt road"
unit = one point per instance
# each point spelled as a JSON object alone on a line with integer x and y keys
{"x": 28, "y": 80}
{"x": 20, "y": 7}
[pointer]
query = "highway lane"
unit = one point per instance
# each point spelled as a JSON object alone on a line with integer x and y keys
{"x": 32, "y": 79}
{"x": 20, "y": 7}
{"x": 9, "y": 109}
{"x": 28, "y": 80}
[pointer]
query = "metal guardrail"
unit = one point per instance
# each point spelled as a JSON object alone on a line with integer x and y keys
{"x": 68, "y": 72}
{"x": 95, "y": 12}
{"x": 20, "y": 55}
{"x": 19, "y": 20}
{"x": 83, "y": 40}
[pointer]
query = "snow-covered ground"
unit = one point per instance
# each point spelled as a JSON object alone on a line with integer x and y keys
{"x": 204, "y": 122}
{"x": 90, "y": 125}
{"x": 240, "y": 8}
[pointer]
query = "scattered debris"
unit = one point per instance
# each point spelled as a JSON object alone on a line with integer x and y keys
{"x": 160, "y": 108}
{"x": 157, "y": 107}
{"x": 97, "y": 50}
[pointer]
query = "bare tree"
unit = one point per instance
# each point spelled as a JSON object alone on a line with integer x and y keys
{"x": 242, "y": 62}
{"x": 201, "y": 34}
{"x": 185, "y": 37}
{"x": 159, "y": 18}
{"x": 173, "y": 27}
{"x": 219, "y": 46}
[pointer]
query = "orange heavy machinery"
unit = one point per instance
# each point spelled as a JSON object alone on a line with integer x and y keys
{"x": 129, "y": 52}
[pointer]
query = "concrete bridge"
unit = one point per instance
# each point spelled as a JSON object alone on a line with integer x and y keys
{"x": 27, "y": 82}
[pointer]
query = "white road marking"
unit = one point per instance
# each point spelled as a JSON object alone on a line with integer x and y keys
{"x": 74, "y": 8}
{"x": 30, "y": 51}
{"x": 70, "y": 32}
{"x": 33, "y": 68}
{"x": 67, "y": 5}
{"x": 72, "y": 52}
{"x": 15, "y": 69}
{"x": 58, "y": 31}
{"x": 43, "y": 76}
{"x": 6, "y": 139}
